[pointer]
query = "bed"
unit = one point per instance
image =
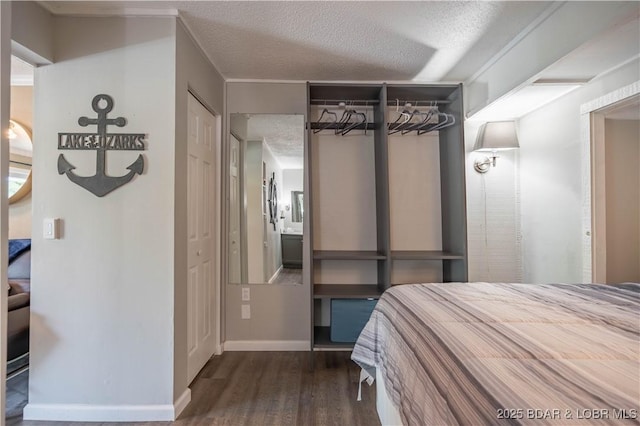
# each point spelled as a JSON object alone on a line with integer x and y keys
{"x": 481, "y": 353}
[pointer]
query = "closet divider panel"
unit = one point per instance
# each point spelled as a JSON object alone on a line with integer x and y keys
{"x": 382, "y": 191}
{"x": 454, "y": 207}
{"x": 309, "y": 217}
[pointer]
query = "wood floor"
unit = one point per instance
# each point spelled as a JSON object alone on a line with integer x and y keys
{"x": 288, "y": 276}
{"x": 273, "y": 388}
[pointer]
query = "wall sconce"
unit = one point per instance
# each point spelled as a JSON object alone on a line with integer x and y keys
{"x": 492, "y": 137}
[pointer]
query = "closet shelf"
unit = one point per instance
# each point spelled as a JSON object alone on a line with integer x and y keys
{"x": 348, "y": 255}
{"x": 350, "y": 102}
{"x": 322, "y": 339}
{"x": 424, "y": 255}
{"x": 416, "y": 103}
{"x": 346, "y": 291}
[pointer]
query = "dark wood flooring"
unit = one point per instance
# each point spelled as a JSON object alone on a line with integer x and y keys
{"x": 289, "y": 276}
{"x": 273, "y": 388}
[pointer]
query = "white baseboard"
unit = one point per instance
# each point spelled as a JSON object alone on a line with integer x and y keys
{"x": 275, "y": 275}
{"x": 266, "y": 345}
{"x": 107, "y": 413}
{"x": 181, "y": 403}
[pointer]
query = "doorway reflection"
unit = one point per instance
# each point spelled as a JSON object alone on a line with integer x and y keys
{"x": 266, "y": 178}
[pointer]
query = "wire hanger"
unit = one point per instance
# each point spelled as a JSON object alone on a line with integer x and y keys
{"x": 444, "y": 120}
{"x": 354, "y": 124}
{"x": 322, "y": 126}
{"x": 405, "y": 116}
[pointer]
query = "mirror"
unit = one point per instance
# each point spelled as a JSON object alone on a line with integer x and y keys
{"x": 265, "y": 198}
{"x": 20, "y": 160}
{"x": 297, "y": 206}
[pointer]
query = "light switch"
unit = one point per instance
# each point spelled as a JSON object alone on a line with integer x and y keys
{"x": 246, "y": 312}
{"x": 246, "y": 294}
{"x": 51, "y": 229}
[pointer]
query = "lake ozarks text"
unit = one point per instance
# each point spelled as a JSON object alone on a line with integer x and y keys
{"x": 110, "y": 141}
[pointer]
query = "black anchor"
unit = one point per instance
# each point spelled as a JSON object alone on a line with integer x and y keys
{"x": 100, "y": 184}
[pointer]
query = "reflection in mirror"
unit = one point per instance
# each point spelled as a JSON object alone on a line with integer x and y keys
{"x": 297, "y": 206}
{"x": 266, "y": 160}
{"x": 20, "y": 160}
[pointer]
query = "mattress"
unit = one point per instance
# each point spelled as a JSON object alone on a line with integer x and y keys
{"x": 480, "y": 353}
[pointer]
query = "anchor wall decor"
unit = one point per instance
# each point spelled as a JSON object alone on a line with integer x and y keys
{"x": 100, "y": 184}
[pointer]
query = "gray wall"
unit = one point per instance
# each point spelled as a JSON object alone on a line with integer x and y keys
{"x": 278, "y": 312}
{"x": 32, "y": 32}
{"x": 102, "y": 331}
{"x": 194, "y": 73}
{"x": 551, "y": 181}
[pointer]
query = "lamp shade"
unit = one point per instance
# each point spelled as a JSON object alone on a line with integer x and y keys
{"x": 496, "y": 136}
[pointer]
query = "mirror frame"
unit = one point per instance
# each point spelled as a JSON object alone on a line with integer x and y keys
{"x": 25, "y": 189}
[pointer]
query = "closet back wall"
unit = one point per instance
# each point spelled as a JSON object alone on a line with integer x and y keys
{"x": 280, "y": 314}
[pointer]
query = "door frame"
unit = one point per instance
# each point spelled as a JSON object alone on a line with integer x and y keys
{"x": 593, "y": 211}
{"x": 5, "y": 98}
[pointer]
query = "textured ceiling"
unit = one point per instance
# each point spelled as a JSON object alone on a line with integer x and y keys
{"x": 284, "y": 134}
{"x": 350, "y": 40}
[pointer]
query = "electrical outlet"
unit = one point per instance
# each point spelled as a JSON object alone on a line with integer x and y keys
{"x": 246, "y": 294}
{"x": 246, "y": 312}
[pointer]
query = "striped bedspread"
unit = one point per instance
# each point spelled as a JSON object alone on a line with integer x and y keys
{"x": 481, "y": 354}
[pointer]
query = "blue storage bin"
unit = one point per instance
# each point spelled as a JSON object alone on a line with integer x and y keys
{"x": 348, "y": 318}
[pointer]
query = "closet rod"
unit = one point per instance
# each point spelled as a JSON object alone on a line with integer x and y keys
{"x": 421, "y": 102}
{"x": 355, "y": 102}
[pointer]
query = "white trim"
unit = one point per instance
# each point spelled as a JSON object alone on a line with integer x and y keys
{"x": 616, "y": 67}
{"x": 21, "y": 80}
{"x": 585, "y": 141}
{"x": 195, "y": 40}
{"x": 219, "y": 245}
{"x": 611, "y": 98}
{"x": 275, "y": 274}
{"x": 103, "y": 413}
{"x": 27, "y": 55}
{"x": 82, "y": 10}
{"x": 266, "y": 345}
{"x": 330, "y": 349}
{"x": 181, "y": 403}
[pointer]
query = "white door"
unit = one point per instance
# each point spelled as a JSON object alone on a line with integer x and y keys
{"x": 201, "y": 235}
{"x": 234, "y": 211}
